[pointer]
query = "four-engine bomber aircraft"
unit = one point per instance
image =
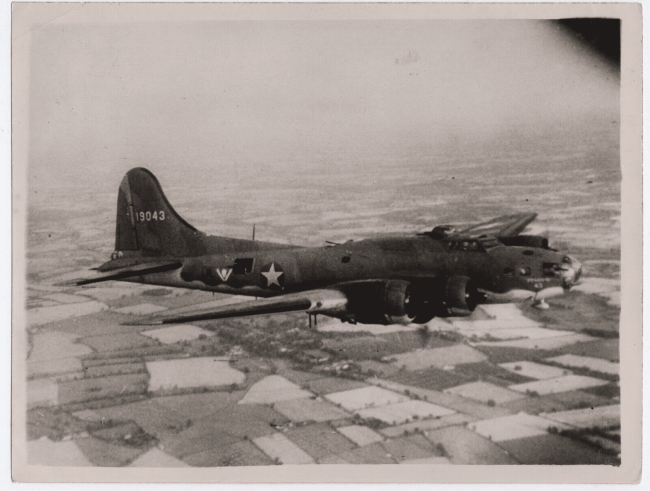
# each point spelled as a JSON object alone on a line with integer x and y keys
{"x": 399, "y": 280}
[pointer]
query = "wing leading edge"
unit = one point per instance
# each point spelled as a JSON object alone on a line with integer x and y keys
{"x": 312, "y": 302}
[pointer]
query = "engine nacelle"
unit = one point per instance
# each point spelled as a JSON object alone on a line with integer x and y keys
{"x": 402, "y": 302}
{"x": 534, "y": 241}
{"x": 382, "y": 302}
{"x": 192, "y": 271}
{"x": 405, "y": 303}
{"x": 398, "y": 304}
{"x": 459, "y": 297}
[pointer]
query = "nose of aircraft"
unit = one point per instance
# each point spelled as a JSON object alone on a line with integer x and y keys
{"x": 570, "y": 272}
{"x": 578, "y": 267}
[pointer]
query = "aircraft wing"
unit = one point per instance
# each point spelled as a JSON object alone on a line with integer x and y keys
{"x": 504, "y": 226}
{"x": 126, "y": 272}
{"x": 312, "y": 302}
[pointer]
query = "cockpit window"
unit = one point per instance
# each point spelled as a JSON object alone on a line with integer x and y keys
{"x": 488, "y": 244}
{"x": 465, "y": 245}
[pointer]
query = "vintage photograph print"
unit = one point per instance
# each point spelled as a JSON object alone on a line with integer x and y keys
{"x": 286, "y": 237}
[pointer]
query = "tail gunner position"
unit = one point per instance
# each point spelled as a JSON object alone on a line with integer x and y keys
{"x": 401, "y": 280}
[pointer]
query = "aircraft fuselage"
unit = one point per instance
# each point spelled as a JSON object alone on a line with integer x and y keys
{"x": 268, "y": 272}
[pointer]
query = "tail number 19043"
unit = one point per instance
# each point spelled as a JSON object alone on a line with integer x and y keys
{"x": 147, "y": 216}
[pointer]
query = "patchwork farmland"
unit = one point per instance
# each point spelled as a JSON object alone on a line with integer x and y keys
{"x": 246, "y": 392}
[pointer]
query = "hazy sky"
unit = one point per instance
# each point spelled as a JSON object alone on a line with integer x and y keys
{"x": 108, "y": 96}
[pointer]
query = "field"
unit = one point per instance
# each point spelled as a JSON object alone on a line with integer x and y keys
{"x": 403, "y": 412}
{"x": 273, "y": 389}
{"x": 593, "y": 364}
{"x": 368, "y": 454}
{"x": 580, "y": 399}
{"x": 513, "y": 427}
{"x": 301, "y": 410}
{"x": 466, "y": 447}
{"x": 157, "y": 458}
{"x": 104, "y": 454}
{"x": 360, "y": 435}
{"x": 114, "y": 369}
{"x": 42, "y": 392}
{"x": 366, "y": 397}
{"x": 321, "y": 440}
{"x": 327, "y": 385}
{"x": 603, "y": 416}
{"x": 606, "y": 349}
{"x": 535, "y": 370}
{"x": 439, "y": 357}
{"x": 47, "y": 452}
{"x": 148, "y": 415}
{"x": 45, "y": 315}
{"x": 278, "y": 446}
{"x": 140, "y": 309}
{"x": 195, "y": 372}
{"x": 553, "y": 450}
{"x": 426, "y": 425}
{"x": 547, "y": 343}
{"x": 174, "y": 334}
{"x": 238, "y": 454}
{"x": 431, "y": 378}
{"x": 118, "y": 342}
{"x": 382, "y": 345}
{"x": 198, "y": 405}
{"x": 558, "y": 384}
{"x": 484, "y": 392}
{"x": 61, "y": 368}
{"x": 410, "y": 448}
{"x": 101, "y": 388}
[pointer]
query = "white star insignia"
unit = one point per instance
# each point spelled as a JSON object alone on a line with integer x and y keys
{"x": 272, "y": 275}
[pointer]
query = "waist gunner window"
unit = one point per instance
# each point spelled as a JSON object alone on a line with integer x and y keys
{"x": 243, "y": 266}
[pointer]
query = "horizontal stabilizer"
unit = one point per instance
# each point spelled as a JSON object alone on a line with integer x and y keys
{"x": 314, "y": 301}
{"x": 123, "y": 273}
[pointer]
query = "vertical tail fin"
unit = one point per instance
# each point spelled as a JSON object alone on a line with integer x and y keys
{"x": 146, "y": 221}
